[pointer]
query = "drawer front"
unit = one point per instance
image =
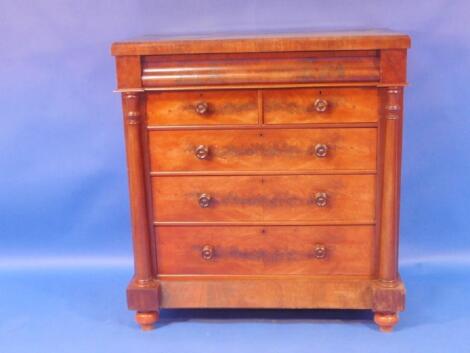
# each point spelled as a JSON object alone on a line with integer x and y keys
{"x": 260, "y": 68}
{"x": 273, "y": 250}
{"x": 202, "y": 108}
{"x": 264, "y": 150}
{"x": 325, "y": 105}
{"x": 311, "y": 198}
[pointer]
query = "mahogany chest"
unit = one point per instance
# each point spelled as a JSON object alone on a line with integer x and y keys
{"x": 264, "y": 171}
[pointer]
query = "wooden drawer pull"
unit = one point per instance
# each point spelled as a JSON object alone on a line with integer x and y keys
{"x": 202, "y": 108}
{"x": 204, "y": 200}
{"x": 319, "y": 252}
{"x": 207, "y": 252}
{"x": 202, "y": 152}
{"x": 321, "y": 150}
{"x": 320, "y": 105}
{"x": 321, "y": 199}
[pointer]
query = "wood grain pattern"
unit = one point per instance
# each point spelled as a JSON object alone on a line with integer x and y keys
{"x": 129, "y": 72}
{"x": 274, "y": 42}
{"x": 269, "y": 198}
{"x": 265, "y": 250}
{"x": 289, "y": 292}
{"x": 393, "y": 66}
{"x": 141, "y": 229}
{"x": 344, "y": 105}
{"x": 193, "y": 71}
{"x": 390, "y": 167}
{"x": 289, "y": 85}
{"x": 223, "y": 107}
{"x": 290, "y": 149}
{"x": 261, "y": 126}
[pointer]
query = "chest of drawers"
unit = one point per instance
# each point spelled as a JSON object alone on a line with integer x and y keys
{"x": 264, "y": 171}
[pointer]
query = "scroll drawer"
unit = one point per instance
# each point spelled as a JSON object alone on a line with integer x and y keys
{"x": 260, "y": 68}
{"x": 273, "y": 250}
{"x": 202, "y": 108}
{"x": 309, "y": 198}
{"x": 325, "y": 105}
{"x": 264, "y": 150}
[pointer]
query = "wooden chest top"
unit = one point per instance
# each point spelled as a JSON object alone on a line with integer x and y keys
{"x": 261, "y": 43}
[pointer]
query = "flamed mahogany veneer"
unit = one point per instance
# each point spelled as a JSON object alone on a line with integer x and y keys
{"x": 264, "y": 171}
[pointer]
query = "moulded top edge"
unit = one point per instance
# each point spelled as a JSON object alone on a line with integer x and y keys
{"x": 272, "y": 42}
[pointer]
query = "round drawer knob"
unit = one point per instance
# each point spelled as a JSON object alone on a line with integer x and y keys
{"x": 207, "y": 252}
{"x": 202, "y": 152}
{"x": 321, "y": 150}
{"x": 202, "y": 108}
{"x": 204, "y": 200}
{"x": 321, "y": 199}
{"x": 319, "y": 252}
{"x": 320, "y": 105}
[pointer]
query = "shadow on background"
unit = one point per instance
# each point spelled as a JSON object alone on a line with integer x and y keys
{"x": 434, "y": 295}
{"x": 84, "y": 310}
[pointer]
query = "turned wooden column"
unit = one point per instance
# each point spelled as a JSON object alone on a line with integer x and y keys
{"x": 391, "y": 130}
{"x": 137, "y": 189}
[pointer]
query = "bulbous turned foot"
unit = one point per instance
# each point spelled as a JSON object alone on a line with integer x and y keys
{"x": 147, "y": 319}
{"x": 386, "y": 321}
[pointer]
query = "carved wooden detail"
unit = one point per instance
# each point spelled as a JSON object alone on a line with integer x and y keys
{"x": 320, "y": 251}
{"x": 208, "y": 252}
{"x": 147, "y": 319}
{"x": 390, "y": 166}
{"x": 393, "y": 106}
{"x": 132, "y": 102}
{"x": 388, "y": 296}
{"x": 141, "y": 230}
{"x": 386, "y": 320}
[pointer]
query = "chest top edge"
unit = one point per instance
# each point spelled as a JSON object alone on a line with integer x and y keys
{"x": 273, "y": 42}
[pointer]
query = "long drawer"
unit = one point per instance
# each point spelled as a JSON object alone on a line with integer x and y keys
{"x": 313, "y": 198}
{"x": 260, "y": 68}
{"x": 264, "y": 150}
{"x": 274, "y": 250}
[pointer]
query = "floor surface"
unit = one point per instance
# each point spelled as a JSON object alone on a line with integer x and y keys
{"x": 84, "y": 310}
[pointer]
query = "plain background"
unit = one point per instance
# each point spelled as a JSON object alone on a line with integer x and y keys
{"x": 64, "y": 216}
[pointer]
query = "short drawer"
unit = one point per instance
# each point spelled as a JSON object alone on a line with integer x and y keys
{"x": 202, "y": 108}
{"x": 324, "y": 105}
{"x": 271, "y": 250}
{"x": 309, "y": 198}
{"x": 264, "y": 150}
